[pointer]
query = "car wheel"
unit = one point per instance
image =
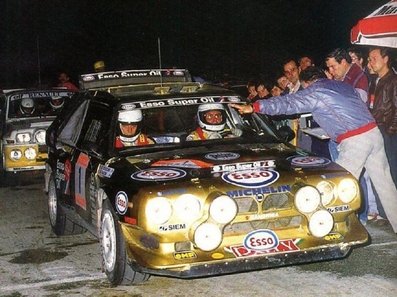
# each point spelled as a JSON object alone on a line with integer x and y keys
{"x": 60, "y": 223}
{"x": 114, "y": 255}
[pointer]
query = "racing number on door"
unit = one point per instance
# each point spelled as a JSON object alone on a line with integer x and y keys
{"x": 79, "y": 180}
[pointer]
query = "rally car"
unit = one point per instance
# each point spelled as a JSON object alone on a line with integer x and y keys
{"x": 171, "y": 202}
{"x": 25, "y": 114}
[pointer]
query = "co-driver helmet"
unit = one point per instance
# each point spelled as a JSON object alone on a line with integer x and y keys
{"x": 57, "y": 102}
{"x": 27, "y": 106}
{"x": 204, "y": 124}
{"x": 130, "y": 117}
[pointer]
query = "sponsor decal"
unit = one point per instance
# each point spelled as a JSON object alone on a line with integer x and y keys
{"x": 259, "y": 191}
{"x": 185, "y": 255}
{"x": 88, "y": 78}
{"x": 261, "y": 240}
{"x": 284, "y": 246}
{"x": 262, "y": 216}
{"x": 41, "y": 94}
{"x": 251, "y": 178}
{"x": 176, "y": 102}
{"x": 79, "y": 180}
{"x": 128, "y": 106}
{"x": 245, "y": 165}
{"x": 105, "y": 171}
{"x": 339, "y": 208}
{"x": 308, "y": 161}
{"x": 172, "y": 227}
{"x": 333, "y": 237}
{"x": 121, "y": 202}
{"x": 217, "y": 256}
{"x": 158, "y": 174}
{"x": 184, "y": 163}
{"x": 222, "y": 156}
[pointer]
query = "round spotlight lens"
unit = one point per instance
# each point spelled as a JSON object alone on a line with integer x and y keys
{"x": 347, "y": 190}
{"x": 15, "y": 155}
{"x": 158, "y": 210}
{"x": 207, "y": 237}
{"x": 307, "y": 199}
{"x": 326, "y": 190}
{"x": 23, "y": 137}
{"x": 321, "y": 223}
{"x": 30, "y": 153}
{"x": 39, "y": 136}
{"x": 223, "y": 209}
{"x": 187, "y": 207}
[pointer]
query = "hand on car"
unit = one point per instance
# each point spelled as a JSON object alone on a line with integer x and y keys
{"x": 242, "y": 109}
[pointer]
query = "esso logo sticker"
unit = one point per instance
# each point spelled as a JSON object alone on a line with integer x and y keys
{"x": 121, "y": 202}
{"x": 88, "y": 78}
{"x": 261, "y": 240}
{"x": 251, "y": 178}
{"x": 158, "y": 174}
{"x": 222, "y": 156}
{"x": 309, "y": 161}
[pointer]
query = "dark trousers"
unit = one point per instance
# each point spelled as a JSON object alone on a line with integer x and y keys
{"x": 391, "y": 151}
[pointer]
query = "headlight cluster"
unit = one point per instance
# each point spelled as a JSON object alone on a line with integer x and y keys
{"x": 326, "y": 190}
{"x": 188, "y": 208}
{"x": 26, "y": 137}
{"x": 347, "y": 190}
{"x": 29, "y": 153}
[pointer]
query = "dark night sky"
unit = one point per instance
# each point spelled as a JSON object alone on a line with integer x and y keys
{"x": 241, "y": 38}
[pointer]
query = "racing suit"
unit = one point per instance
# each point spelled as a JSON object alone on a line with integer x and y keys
{"x": 339, "y": 110}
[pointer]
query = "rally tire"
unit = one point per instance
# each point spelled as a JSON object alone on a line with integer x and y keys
{"x": 60, "y": 223}
{"x": 113, "y": 252}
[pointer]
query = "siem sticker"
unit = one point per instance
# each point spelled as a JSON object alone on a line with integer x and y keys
{"x": 251, "y": 178}
{"x": 261, "y": 240}
{"x": 158, "y": 174}
{"x": 121, "y": 202}
{"x": 308, "y": 161}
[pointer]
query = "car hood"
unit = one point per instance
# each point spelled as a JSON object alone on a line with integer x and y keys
{"x": 244, "y": 166}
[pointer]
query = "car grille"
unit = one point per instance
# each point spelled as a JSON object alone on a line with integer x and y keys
{"x": 265, "y": 208}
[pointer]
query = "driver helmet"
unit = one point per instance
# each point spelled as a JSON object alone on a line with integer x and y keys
{"x": 57, "y": 102}
{"x": 203, "y": 122}
{"x": 27, "y": 106}
{"x": 127, "y": 118}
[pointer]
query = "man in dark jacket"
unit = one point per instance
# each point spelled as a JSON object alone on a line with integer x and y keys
{"x": 384, "y": 107}
{"x": 338, "y": 109}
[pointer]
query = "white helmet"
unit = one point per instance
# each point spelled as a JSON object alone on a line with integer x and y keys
{"x": 203, "y": 108}
{"x": 57, "y": 102}
{"x": 27, "y": 106}
{"x": 130, "y": 117}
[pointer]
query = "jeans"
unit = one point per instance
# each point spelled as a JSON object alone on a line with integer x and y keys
{"x": 391, "y": 151}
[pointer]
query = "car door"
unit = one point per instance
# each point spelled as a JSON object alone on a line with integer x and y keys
{"x": 90, "y": 151}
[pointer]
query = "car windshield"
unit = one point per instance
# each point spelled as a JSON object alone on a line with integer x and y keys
{"x": 21, "y": 107}
{"x": 186, "y": 122}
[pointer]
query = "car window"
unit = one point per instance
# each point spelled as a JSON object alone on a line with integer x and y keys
{"x": 71, "y": 131}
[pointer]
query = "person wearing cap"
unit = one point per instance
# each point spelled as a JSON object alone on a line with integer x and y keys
{"x": 212, "y": 121}
{"x": 130, "y": 130}
{"x": 26, "y": 107}
{"x": 99, "y": 66}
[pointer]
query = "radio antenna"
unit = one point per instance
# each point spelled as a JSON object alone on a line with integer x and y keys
{"x": 159, "y": 52}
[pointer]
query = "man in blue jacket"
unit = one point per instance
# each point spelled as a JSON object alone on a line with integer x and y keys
{"x": 338, "y": 109}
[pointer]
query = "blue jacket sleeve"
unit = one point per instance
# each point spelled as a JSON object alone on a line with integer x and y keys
{"x": 303, "y": 101}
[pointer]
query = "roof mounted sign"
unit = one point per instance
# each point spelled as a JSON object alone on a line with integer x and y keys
{"x": 102, "y": 80}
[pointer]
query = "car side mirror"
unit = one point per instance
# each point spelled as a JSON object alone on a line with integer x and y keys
{"x": 286, "y": 133}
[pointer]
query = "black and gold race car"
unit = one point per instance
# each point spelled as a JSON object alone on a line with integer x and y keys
{"x": 25, "y": 114}
{"x": 175, "y": 182}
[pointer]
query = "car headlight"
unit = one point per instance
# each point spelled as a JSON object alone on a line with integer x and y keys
{"x": 15, "y": 155}
{"x": 23, "y": 137}
{"x": 223, "y": 209}
{"x": 321, "y": 223}
{"x": 30, "y": 153}
{"x": 158, "y": 210}
{"x": 347, "y": 190}
{"x": 187, "y": 207}
{"x": 207, "y": 237}
{"x": 307, "y": 199}
{"x": 326, "y": 190}
{"x": 39, "y": 136}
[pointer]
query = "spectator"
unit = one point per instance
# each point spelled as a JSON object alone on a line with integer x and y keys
{"x": 348, "y": 122}
{"x": 356, "y": 56}
{"x": 385, "y": 104}
{"x": 291, "y": 71}
{"x": 252, "y": 93}
{"x": 276, "y": 90}
{"x": 284, "y": 84}
{"x": 304, "y": 62}
{"x": 263, "y": 89}
{"x": 340, "y": 65}
{"x": 130, "y": 133}
{"x": 64, "y": 82}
